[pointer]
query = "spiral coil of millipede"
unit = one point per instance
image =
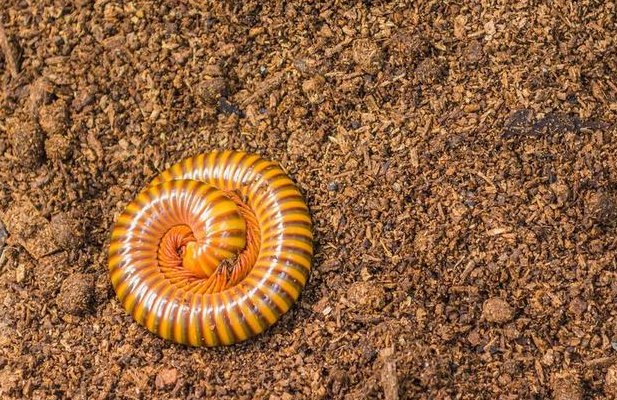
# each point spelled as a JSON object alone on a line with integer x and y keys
{"x": 214, "y": 250}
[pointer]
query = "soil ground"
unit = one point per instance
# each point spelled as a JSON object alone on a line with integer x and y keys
{"x": 459, "y": 160}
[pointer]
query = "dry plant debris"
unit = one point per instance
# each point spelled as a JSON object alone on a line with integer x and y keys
{"x": 451, "y": 153}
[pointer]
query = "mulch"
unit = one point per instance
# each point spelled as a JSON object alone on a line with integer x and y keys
{"x": 459, "y": 161}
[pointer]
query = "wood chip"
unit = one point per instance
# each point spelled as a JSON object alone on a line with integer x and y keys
{"x": 389, "y": 378}
{"x": 26, "y": 225}
{"x": 11, "y": 53}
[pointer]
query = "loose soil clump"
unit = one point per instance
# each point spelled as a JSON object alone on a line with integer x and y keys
{"x": 459, "y": 162}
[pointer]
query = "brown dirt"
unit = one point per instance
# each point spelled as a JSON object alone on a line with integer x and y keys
{"x": 459, "y": 162}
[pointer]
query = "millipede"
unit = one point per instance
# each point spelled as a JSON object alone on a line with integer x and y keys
{"x": 214, "y": 250}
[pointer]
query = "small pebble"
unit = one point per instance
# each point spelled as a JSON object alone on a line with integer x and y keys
{"x": 497, "y": 310}
{"x": 67, "y": 230}
{"x": 166, "y": 378}
{"x": 76, "y": 294}
{"x": 333, "y": 186}
{"x": 212, "y": 89}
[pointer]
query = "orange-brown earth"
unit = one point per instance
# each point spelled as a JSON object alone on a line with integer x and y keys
{"x": 459, "y": 160}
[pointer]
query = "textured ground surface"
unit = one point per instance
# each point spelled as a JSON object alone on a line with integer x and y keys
{"x": 459, "y": 161}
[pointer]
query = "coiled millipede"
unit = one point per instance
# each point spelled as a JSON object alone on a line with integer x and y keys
{"x": 214, "y": 250}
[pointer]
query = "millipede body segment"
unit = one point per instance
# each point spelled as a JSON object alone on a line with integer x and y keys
{"x": 214, "y": 250}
